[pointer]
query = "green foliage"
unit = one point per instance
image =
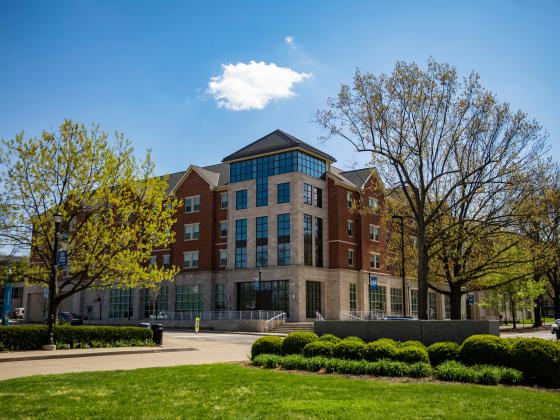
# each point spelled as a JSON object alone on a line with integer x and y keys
{"x": 538, "y": 359}
{"x": 349, "y": 349}
{"x": 452, "y": 370}
{"x": 268, "y": 344}
{"x": 441, "y": 352}
{"x": 319, "y": 348}
{"x": 485, "y": 350}
{"x": 295, "y": 342}
{"x": 354, "y": 338}
{"x": 412, "y": 354}
{"x": 32, "y": 337}
{"x": 412, "y": 343}
{"x": 329, "y": 337}
{"x": 380, "y": 349}
{"x": 268, "y": 361}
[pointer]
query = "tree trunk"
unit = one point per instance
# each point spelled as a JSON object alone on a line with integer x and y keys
{"x": 537, "y": 311}
{"x": 455, "y": 300}
{"x": 422, "y": 277}
{"x": 556, "y": 302}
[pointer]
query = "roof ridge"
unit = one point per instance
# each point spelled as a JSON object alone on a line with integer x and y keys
{"x": 361, "y": 169}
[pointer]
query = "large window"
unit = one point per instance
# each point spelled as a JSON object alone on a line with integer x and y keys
{"x": 307, "y": 239}
{"x": 223, "y": 257}
{"x": 192, "y": 204}
{"x": 313, "y": 298}
{"x": 374, "y": 233}
{"x": 262, "y": 241}
{"x": 308, "y": 194}
{"x": 192, "y": 231}
{"x": 120, "y": 304}
{"x": 155, "y": 302}
{"x": 374, "y": 261}
{"x": 432, "y": 306}
{"x": 224, "y": 200}
{"x": 396, "y": 301}
{"x": 223, "y": 229}
{"x": 241, "y": 243}
{"x": 284, "y": 193}
{"x": 447, "y": 307}
{"x": 283, "y": 230}
{"x": 414, "y": 302}
{"x": 220, "y": 297}
{"x": 318, "y": 242}
{"x": 350, "y": 257}
{"x": 241, "y": 199}
{"x": 190, "y": 259}
{"x": 350, "y": 227}
{"x": 373, "y": 203}
{"x": 262, "y": 191}
{"x": 318, "y": 197}
{"x": 377, "y": 300}
{"x": 189, "y": 297}
{"x": 352, "y": 297}
{"x": 271, "y": 295}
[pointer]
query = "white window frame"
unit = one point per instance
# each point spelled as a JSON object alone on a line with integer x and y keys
{"x": 192, "y": 199}
{"x": 373, "y": 203}
{"x": 223, "y": 251}
{"x": 188, "y": 257}
{"x": 349, "y": 199}
{"x": 350, "y": 255}
{"x": 222, "y": 194}
{"x": 227, "y": 228}
{"x": 373, "y": 230}
{"x": 350, "y": 228}
{"x": 376, "y": 260}
{"x": 189, "y": 228}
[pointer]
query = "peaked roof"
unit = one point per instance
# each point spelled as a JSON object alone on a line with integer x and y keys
{"x": 216, "y": 175}
{"x": 276, "y": 141}
{"x": 358, "y": 177}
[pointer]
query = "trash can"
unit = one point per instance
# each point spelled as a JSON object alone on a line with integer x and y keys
{"x": 157, "y": 329}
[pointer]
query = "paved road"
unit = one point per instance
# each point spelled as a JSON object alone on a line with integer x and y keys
{"x": 199, "y": 349}
{"x": 538, "y": 334}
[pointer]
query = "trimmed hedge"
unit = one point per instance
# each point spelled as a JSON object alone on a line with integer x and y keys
{"x": 412, "y": 343}
{"x": 485, "y": 350}
{"x": 539, "y": 359}
{"x": 295, "y": 342}
{"x": 412, "y": 354}
{"x": 319, "y": 348}
{"x": 354, "y": 338}
{"x": 330, "y": 337}
{"x": 349, "y": 349}
{"x": 32, "y": 337}
{"x": 442, "y": 352}
{"x": 269, "y": 345}
{"x": 380, "y": 349}
{"x": 480, "y": 374}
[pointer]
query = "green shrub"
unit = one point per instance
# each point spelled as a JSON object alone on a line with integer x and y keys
{"x": 511, "y": 376}
{"x": 268, "y": 361}
{"x": 412, "y": 343}
{"x": 485, "y": 350}
{"x": 379, "y": 349}
{"x": 296, "y": 341}
{"x": 483, "y": 374}
{"x": 319, "y": 348}
{"x": 442, "y": 352}
{"x": 354, "y": 338}
{"x": 266, "y": 345}
{"x": 32, "y": 337}
{"x": 294, "y": 362}
{"x": 412, "y": 354}
{"x": 389, "y": 341}
{"x": 419, "y": 370}
{"x": 349, "y": 349}
{"x": 455, "y": 371}
{"x": 329, "y": 337}
{"x": 538, "y": 359}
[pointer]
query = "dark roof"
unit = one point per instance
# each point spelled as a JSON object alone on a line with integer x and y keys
{"x": 358, "y": 176}
{"x": 274, "y": 142}
{"x": 173, "y": 179}
{"x": 221, "y": 169}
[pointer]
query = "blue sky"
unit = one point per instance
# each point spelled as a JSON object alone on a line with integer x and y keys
{"x": 144, "y": 68}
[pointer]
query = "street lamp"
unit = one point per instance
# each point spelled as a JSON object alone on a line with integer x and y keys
{"x": 401, "y": 221}
{"x": 57, "y": 218}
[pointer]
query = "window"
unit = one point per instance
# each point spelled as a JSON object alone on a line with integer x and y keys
{"x": 377, "y": 300}
{"x": 192, "y": 204}
{"x": 190, "y": 259}
{"x": 432, "y": 306}
{"x": 352, "y": 297}
{"x": 261, "y": 241}
{"x": 249, "y": 300}
{"x": 224, "y": 200}
{"x": 223, "y": 229}
{"x": 308, "y": 194}
{"x": 307, "y": 239}
{"x": 283, "y": 231}
{"x": 318, "y": 242}
{"x": 318, "y": 197}
{"x": 262, "y": 192}
{"x": 374, "y": 261}
{"x": 350, "y": 227}
{"x": 17, "y": 292}
{"x": 155, "y": 302}
{"x": 241, "y": 199}
{"x": 374, "y": 233}
{"x": 241, "y": 243}
{"x": 396, "y": 301}
{"x": 350, "y": 257}
{"x": 372, "y": 203}
{"x": 349, "y": 199}
{"x": 313, "y": 298}
{"x": 167, "y": 261}
{"x": 153, "y": 260}
{"x": 414, "y": 302}
{"x": 223, "y": 257}
{"x": 447, "y": 307}
{"x": 220, "y": 297}
{"x": 192, "y": 231}
{"x": 284, "y": 193}
{"x": 120, "y": 304}
{"x": 188, "y": 298}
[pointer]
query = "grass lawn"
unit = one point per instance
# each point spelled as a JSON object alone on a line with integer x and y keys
{"x": 233, "y": 391}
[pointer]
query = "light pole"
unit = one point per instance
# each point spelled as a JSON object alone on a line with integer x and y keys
{"x": 403, "y": 273}
{"x": 52, "y": 284}
{"x": 7, "y": 304}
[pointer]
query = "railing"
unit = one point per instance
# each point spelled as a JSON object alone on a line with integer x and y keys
{"x": 275, "y": 321}
{"x": 219, "y": 315}
{"x": 362, "y": 315}
{"x": 318, "y": 316}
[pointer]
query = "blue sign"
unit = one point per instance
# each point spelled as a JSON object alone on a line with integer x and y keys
{"x": 62, "y": 259}
{"x": 373, "y": 282}
{"x": 470, "y": 299}
{"x": 7, "y": 306}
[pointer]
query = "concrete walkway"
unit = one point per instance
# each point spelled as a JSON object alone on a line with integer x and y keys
{"x": 180, "y": 348}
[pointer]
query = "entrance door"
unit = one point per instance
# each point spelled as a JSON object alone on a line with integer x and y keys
{"x": 313, "y": 298}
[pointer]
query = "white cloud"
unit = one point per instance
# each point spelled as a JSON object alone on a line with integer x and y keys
{"x": 290, "y": 40}
{"x": 252, "y": 86}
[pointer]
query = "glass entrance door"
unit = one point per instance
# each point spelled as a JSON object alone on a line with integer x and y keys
{"x": 313, "y": 298}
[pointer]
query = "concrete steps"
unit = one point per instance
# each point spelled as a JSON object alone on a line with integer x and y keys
{"x": 289, "y": 327}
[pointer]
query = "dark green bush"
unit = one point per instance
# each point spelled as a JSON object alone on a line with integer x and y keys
{"x": 268, "y": 361}
{"x": 266, "y": 345}
{"x": 296, "y": 341}
{"x": 412, "y": 354}
{"x": 442, "y": 352}
{"x": 388, "y": 340}
{"x": 511, "y": 376}
{"x": 412, "y": 343}
{"x": 319, "y": 348}
{"x": 455, "y": 371}
{"x": 32, "y": 337}
{"x": 330, "y": 337}
{"x": 485, "y": 350}
{"x": 294, "y": 362}
{"x": 538, "y": 359}
{"x": 354, "y": 338}
{"x": 349, "y": 349}
{"x": 379, "y": 349}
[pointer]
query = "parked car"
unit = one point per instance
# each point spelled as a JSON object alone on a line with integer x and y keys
{"x": 555, "y": 328}
{"x": 70, "y": 317}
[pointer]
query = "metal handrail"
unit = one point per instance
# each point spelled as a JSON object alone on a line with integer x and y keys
{"x": 217, "y": 315}
{"x": 281, "y": 318}
{"x": 318, "y": 316}
{"x": 362, "y": 315}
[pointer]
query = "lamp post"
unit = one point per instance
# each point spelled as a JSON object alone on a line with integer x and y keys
{"x": 57, "y": 218}
{"x": 403, "y": 273}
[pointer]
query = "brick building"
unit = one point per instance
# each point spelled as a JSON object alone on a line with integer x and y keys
{"x": 270, "y": 228}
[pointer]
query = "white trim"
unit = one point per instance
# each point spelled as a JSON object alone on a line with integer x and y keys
{"x": 343, "y": 242}
{"x": 187, "y": 173}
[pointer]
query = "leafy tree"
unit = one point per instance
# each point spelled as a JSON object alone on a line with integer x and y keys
{"x": 431, "y": 135}
{"x": 115, "y": 212}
